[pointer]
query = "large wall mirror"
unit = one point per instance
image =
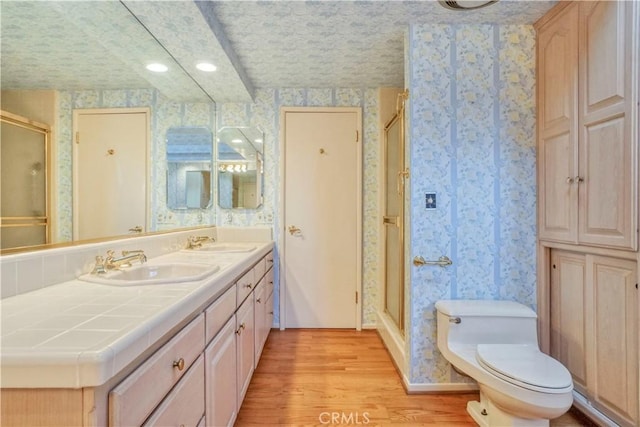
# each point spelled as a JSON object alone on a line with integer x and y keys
{"x": 58, "y": 56}
{"x": 240, "y": 162}
{"x": 189, "y": 160}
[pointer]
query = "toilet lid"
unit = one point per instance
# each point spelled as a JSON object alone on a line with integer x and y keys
{"x": 525, "y": 366}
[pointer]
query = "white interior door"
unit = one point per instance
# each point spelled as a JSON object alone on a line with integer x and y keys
{"x": 110, "y": 172}
{"x": 322, "y": 218}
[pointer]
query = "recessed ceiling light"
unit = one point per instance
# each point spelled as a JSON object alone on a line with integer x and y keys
{"x": 258, "y": 140}
{"x": 237, "y": 141}
{"x": 157, "y": 67}
{"x": 206, "y": 66}
{"x": 466, "y": 4}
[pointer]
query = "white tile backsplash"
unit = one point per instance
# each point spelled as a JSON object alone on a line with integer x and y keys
{"x": 8, "y": 279}
{"x": 29, "y": 271}
{"x": 30, "y": 274}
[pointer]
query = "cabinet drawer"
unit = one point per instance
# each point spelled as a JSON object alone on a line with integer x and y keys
{"x": 259, "y": 269}
{"x": 269, "y": 282}
{"x": 245, "y": 285}
{"x": 184, "y": 406}
{"x": 131, "y": 402}
{"x": 217, "y": 314}
{"x": 268, "y": 259}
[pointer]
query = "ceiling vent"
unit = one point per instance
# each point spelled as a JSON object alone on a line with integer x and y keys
{"x": 465, "y": 4}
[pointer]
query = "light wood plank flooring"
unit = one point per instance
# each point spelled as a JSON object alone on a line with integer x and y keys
{"x": 340, "y": 377}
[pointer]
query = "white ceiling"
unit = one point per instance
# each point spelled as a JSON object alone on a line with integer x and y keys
{"x": 255, "y": 44}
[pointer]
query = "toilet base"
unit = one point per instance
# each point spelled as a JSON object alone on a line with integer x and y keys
{"x": 486, "y": 414}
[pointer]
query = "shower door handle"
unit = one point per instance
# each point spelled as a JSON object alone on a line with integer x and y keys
{"x": 443, "y": 261}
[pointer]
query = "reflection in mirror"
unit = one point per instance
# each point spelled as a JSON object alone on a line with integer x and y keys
{"x": 25, "y": 166}
{"x": 189, "y": 159}
{"x": 58, "y": 56}
{"x": 240, "y": 167}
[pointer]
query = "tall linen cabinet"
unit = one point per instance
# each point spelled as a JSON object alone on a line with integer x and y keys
{"x": 587, "y": 123}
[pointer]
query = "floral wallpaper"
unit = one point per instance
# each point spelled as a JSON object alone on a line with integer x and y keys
{"x": 264, "y": 113}
{"x": 164, "y": 115}
{"x": 472, "y": 139}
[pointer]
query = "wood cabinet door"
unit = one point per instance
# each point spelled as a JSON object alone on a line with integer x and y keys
{"x": 245, "y": 331}
{"x": 607, "y": 171}
{"x": 568, "y": 327}
{"x": 557, "y": 127}
{"x": 260, "y": 313}
{"x": 220, "y": 378}
{"x": 613, "y": 342}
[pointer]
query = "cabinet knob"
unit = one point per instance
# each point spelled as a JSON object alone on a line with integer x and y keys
{"x": 248, "y": 285}
{"x": 179, "y": 364}
{"x": 259, "y": 300}
{"x": 579, "y": 179}
{"x": 569, "y": 180}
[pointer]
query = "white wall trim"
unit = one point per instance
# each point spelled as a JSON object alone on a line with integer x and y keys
{"x": 418, "y": 388}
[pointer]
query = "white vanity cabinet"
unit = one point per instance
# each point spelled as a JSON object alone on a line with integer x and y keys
{"x": 193, "y": 370}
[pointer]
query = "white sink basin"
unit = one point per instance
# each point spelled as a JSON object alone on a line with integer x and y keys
{"x": 153, "y": 274}
{"x": 224, "y": 247}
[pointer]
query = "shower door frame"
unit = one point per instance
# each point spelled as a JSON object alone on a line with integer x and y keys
{"x": 402, "y": 175}
{"x": 27, "y": 221}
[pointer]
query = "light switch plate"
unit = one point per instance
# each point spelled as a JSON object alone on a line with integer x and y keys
{"x": 430, "y": 200}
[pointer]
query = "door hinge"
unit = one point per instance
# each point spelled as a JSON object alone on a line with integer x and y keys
{"x": 356, "y": 297}
{"x": 357, "y": 136}
{"x": 77, "y": 137}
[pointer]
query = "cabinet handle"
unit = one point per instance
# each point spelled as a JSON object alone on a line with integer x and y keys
{"x": 579, "y": 179}
{"x": 249, "y": 285}
{"x": 569, "y": 180}
{"x": 271, "y": 312}
{"x": 239, "y": 331}
{"x": 259, "y": 300}
{"x": 270, "y": 260}
{"x": 179, "y": 364}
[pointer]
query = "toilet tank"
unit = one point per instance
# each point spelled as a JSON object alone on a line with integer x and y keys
{"x": 485, "y": 322}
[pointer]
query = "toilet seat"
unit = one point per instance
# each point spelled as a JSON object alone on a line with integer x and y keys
{"x": 525, "y": 366}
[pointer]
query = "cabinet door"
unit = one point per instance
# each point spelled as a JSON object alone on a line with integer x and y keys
{"x": 613, "y": 343}
{"x": 220, "y": 372}
{"x": 568, "y": 327}
{"x": 260, "y": 318}
{"x": 245, "y": 331}
{"x": 557, "y": 127}
{"x": 607, "y": 167}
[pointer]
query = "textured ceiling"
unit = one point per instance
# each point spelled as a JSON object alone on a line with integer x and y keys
{"x": 341, "y": 43}
{"x": 321, "y": 43}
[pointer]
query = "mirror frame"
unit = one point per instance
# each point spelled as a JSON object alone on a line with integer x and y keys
{"x": 258, "y": 147}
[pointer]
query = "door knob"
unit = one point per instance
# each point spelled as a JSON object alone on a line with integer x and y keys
{"x": 293, "y": 230}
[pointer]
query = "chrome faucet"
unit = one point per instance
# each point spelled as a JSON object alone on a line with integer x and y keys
{"x": 113, "y": 263}
{"x": 196, "y": 241}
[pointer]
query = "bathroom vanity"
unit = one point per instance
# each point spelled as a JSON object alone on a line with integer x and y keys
{"x": 92, "y": 354}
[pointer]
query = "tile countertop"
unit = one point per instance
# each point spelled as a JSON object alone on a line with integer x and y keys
{"x": 80, "y": 334}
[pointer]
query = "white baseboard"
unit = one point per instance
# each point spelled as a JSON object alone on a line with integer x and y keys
{"x": 419, "y": 388}
{"x": 580, "y": 402}
{"x": 369, "y": 326}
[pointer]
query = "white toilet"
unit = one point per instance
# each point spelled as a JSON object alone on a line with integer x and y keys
{"x": 496, "y": 344}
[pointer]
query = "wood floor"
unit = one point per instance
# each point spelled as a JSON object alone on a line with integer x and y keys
{"x": 316, "y": 377}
